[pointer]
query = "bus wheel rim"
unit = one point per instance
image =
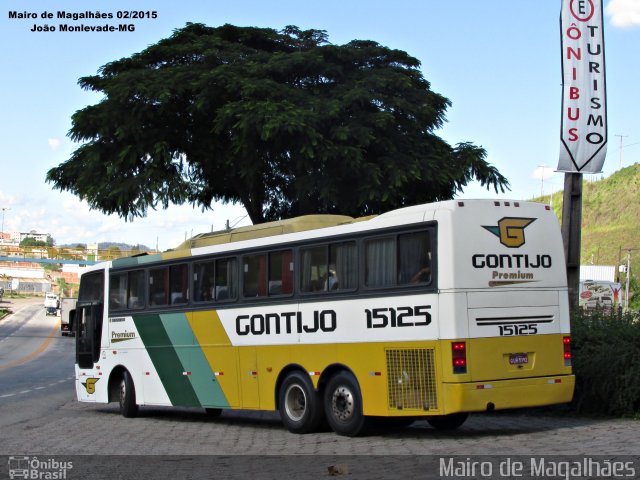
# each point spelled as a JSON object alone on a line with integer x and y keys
{"x": 123, "y": 392}
{"x": 295, "y": 402}
{"x": 342, "y": 403}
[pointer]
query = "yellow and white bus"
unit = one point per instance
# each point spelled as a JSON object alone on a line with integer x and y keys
{"x": 429, "y": 311}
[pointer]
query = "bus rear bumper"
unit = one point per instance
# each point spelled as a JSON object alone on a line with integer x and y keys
{"x": 505, "y": 394}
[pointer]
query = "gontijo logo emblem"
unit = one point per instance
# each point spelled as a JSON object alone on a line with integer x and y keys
{"x": 510, "y": 230}
{"x": 90, "y": 385}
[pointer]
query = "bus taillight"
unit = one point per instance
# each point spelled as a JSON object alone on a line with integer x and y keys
{"x": 566, "y": 341}
{"x": 459, "y": 357}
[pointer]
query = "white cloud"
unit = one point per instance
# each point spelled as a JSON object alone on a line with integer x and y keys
{"x": 70, "y": 220}
{"x": 54, "y": 143}
{"x": 624, "y": 13}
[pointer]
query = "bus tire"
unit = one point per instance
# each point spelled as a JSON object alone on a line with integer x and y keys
{"x": 343, "y": 405}
{"x": 447, "y": 422}
{"x": 127, "y": 396}
{"x": 300, "y": 404}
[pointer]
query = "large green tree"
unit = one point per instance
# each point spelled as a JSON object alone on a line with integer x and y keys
{"x": 283, "y": 122}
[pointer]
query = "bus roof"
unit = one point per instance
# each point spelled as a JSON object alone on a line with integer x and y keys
{"x": 251, "y": 232}
{"x": 216, "y": 241}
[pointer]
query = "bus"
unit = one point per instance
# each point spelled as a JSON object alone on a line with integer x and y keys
{"x": 431, "y": 311}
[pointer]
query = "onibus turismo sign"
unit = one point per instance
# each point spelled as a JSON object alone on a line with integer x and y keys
{"x": 584, "y": 105}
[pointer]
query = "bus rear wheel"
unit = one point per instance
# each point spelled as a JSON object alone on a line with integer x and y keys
{"x": 128, "y": 405}
{"x": 299, "y": 404}
{"x": 447, "y": 422}
{"x": 343, "y": 405}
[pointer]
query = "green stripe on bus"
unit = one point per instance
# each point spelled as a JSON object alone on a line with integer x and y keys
{"x": 201, "y": 376}
{"x": 135, "y": 261}
{"x": 166, "y": 361}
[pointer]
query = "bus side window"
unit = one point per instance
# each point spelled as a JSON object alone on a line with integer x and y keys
{"x": 178, "y": 277}
{"x": 226, "y": 279}
{"x": 118, "y": 291}
{"x": 281, "y": 273}
{"x": 203, "y": 281}
{"x": 313, "y": 268}
{"x": 158, "y": 286}
{"x": 380, "y": 262}
{"x": 136, "y": 290}
{"x": 254, "y": 278}
{"x": 414, "y": 258}
{"x": 343, "y": 267}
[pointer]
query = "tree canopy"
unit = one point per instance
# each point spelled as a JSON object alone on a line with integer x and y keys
{"x": 283, "y": 122}
{"x": 32, "y": 242}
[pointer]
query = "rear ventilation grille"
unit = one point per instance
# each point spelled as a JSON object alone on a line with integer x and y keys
{"x": 412, "y": 379}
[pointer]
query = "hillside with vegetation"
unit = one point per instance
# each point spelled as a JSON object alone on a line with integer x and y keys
{"x": 610, "y": 219}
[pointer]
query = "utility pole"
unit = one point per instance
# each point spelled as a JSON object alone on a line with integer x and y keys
{"x": 626, "y": 290}
{"x": 628, "y": 279}
{"x": 3, "y": 210}
{"x": 621, "y": 137}
{"x": 571, "y": 229}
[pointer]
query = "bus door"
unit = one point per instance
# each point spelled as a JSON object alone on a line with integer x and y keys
{"x": 87, "y": 325}
{"x": 88, "y": 320}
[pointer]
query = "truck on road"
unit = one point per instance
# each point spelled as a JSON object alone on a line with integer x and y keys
{"x": 66, "y": 305}
{"x": 51, "y": 300}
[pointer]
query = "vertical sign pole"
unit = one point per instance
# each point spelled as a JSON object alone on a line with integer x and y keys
{"x": 571, "y": 223}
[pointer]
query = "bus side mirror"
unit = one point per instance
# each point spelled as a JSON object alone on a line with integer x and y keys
{"x": 72, "y": 320}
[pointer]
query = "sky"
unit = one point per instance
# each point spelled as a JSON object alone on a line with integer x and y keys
{"x": 498, "y": 61}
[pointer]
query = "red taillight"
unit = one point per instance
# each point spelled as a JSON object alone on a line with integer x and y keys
{"x": 459, "y": 357}
{"x": 566, "y": 341}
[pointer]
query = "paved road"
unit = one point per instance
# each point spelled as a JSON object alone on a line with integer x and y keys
{"x": 39, "y": 416}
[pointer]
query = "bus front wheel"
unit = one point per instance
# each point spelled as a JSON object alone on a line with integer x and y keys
{"x": 343, "y": 405}
{"x": 128, "y": 405}
{"x": 299, "y": 404}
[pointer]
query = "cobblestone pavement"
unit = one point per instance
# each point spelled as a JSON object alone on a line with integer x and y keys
{"x": 186, "y": 443}
{"x": 73, "y": 428}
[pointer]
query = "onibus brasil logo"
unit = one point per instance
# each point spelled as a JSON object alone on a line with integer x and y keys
{"x": 510, "y": 230}
{"x": 34, "y": 467}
